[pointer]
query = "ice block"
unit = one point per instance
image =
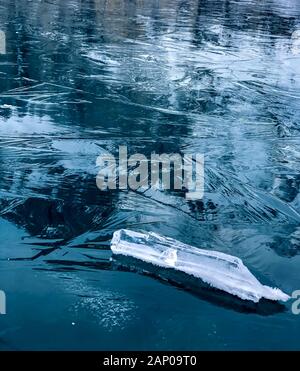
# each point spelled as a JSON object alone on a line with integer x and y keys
{"x": 222, "y": 271}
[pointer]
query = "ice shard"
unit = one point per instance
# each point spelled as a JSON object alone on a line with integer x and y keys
{"x": 221, "y": 271}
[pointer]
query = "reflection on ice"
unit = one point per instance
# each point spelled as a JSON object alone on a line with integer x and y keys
{"x": 216, "y": 77}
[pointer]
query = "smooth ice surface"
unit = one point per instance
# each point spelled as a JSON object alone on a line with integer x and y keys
{"x": 79, "y": 79}
{"x": 222, "y": 271}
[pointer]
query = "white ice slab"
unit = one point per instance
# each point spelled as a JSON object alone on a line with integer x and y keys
{"x": 222, "y": 271}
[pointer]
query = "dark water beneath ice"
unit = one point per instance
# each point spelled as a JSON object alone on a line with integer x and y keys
{"x": 215, "y": 77}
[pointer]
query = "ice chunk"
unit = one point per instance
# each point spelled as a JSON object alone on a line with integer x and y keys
{"x": 219, "y": 270}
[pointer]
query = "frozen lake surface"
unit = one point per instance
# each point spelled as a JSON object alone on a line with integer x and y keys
{"x": 81, "y": 78}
